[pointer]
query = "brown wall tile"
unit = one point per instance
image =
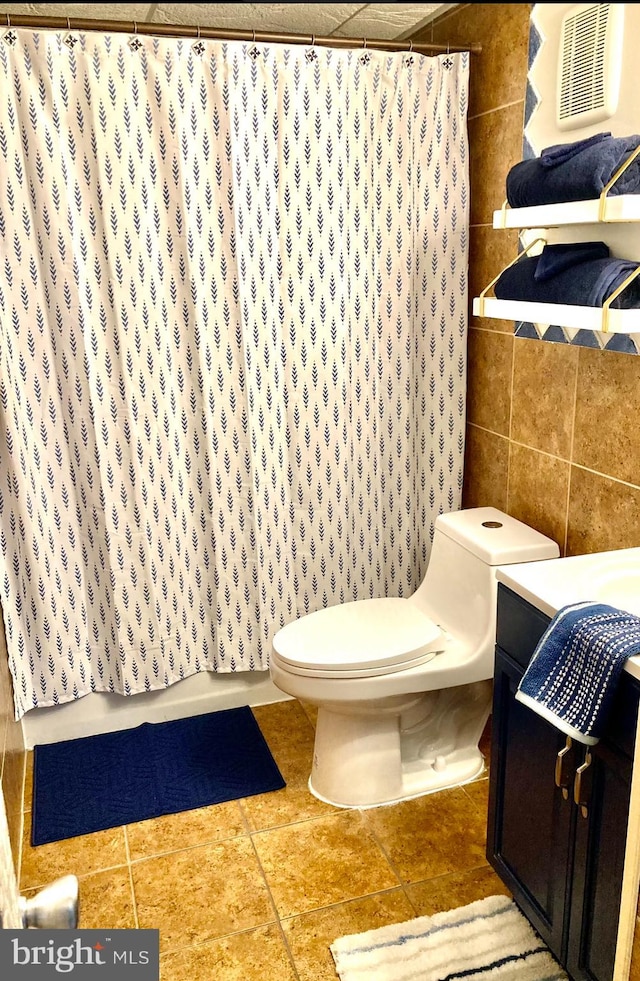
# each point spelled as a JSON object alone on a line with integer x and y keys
{"x": 603, "y": 514}
{"x": 486, "y": 470}
{"x": 503, "y": 31}
{"x": 495, "y": 145}
{"x": 607, "y": 434}
{"x": 544, "y": 386}
{"x": 550, "y": 426}
{"x": 12, "y": 753}
{"x": 490, "y": 250}
{"x": 538, "y": 486}
{"x": 490, "y": 360}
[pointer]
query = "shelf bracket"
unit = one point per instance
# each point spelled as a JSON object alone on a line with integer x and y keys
{"x": 602, "y": 204}
{"x": 503, "y": 213}
{"x": 524, "y": 252}
{"x": 607, "y": 303}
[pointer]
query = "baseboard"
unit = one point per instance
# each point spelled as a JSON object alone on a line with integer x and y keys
{"x": 106, "y": 712}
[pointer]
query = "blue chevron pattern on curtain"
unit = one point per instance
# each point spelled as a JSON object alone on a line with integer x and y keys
{"x": 233, "y": 307}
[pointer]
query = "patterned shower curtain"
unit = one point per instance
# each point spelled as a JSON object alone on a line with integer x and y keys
{"x": 233, "y": 307}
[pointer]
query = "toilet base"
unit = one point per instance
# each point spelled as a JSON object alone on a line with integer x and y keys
{"x": 395, "y": 749}
{"x": 429, "y": 784}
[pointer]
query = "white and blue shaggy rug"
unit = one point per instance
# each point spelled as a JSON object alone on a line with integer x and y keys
{"x": 487, "y": 939}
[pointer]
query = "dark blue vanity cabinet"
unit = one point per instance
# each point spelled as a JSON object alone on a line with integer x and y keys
{"x": 563, "y": 861}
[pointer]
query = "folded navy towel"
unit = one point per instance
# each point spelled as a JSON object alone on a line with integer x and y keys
{"x": 583, "y": 274}
{"x": 574, "y": 175}
{"x": 575, "y": 668}
{"x": 555, "y": 259}
{"x": 551, "y": 156}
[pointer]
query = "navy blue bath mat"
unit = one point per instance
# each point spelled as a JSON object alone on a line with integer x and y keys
{"x": 115, "y": 778}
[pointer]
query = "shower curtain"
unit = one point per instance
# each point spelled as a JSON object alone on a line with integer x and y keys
{"x": 233, "y": 308}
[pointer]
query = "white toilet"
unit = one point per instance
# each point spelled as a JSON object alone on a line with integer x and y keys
{"x": 403, "y": 686}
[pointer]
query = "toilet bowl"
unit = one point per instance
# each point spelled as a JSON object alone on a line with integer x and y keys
{"x": 403, "y": 686}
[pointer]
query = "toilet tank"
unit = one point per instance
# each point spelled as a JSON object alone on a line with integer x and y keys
{"x": 459, "y": 590}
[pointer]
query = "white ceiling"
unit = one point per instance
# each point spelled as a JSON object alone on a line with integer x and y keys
{"x": 370, "y": 20}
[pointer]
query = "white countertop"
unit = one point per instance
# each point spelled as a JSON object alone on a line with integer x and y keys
{"x": 603, "y": 577}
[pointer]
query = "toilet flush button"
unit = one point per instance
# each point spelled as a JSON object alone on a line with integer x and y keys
{"x": 439, "y": 764}
{"x": 492, "y": 524}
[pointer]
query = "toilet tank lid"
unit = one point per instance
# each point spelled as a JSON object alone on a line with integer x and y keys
{"x": 495, "y": 537}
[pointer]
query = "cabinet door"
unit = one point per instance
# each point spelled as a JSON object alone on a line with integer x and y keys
{"x": 600, "y": 838}
{"x": 531, "y": 821}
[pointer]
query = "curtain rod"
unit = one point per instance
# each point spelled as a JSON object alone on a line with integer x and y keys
{"x": 261, "y": 37}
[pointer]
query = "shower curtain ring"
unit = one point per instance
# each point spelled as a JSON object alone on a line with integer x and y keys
{"x": 135, "y": 27}
{"x": 364, "y": 42}
{"x": 68, "y": 24}
{"x": 410, "y": 46}
{"x": 254, "y": 35}
{"x": 8, "y": 21}
{"x": 313, "y": 40}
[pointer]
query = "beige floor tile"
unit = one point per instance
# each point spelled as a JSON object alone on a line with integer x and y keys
{"x": 456, "y": 889}
{"x": 15, "y": 824}
{"x": 485, "y": 742}
{"x": 174, "y": 832}
{"x": 73, "y": 856}
{"x": 331, "y": 872}
{"x": 310, "y": 935}
{"x": 290, "y": 736}
{"x": 431, "y": 835}
{"x": 257, "y": 955}
{"x": 28, "y": 781}
{"x": 478, "y": 791}
{"x": 320, "y": 862}
{"x": 634, "y": 970}
{"x": 311, "y": 711}
{"x": 106, "y": 901}
{"x": 287, "y": 806}
{"x": 201, "y": 893}
{"x": 279, "y": 721}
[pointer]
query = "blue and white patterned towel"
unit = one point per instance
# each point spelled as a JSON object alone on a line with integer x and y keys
{"x": 574, "y": 670}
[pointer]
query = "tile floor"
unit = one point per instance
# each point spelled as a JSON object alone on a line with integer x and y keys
{"x": 259, "y": 888}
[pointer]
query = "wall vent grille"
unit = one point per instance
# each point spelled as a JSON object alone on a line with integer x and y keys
{"x": 590, "y": 64}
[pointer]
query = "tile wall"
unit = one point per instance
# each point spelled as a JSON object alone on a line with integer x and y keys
{"x": 552, "y": 434}
{"x": 12, "y": 754}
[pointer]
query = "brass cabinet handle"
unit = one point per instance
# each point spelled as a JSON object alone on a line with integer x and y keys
{"x": 577, "y": 785}
{"x": 562, "y": 781}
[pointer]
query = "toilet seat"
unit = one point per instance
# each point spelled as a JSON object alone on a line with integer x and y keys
{"x": 358, "y": 640}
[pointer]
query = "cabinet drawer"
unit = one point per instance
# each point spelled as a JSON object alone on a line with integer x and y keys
{"x": 519, "y": 626}
{"x": 620, "y": 732}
